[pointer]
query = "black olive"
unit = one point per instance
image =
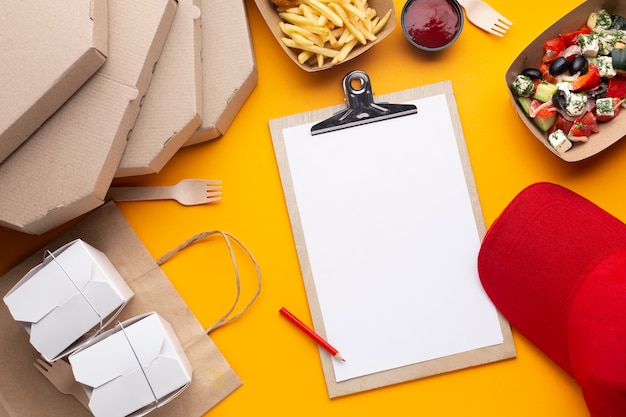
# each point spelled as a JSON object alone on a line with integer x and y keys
{"x": 579, "y": 64}
{"x": 559, "y": 99}
{"x": 559, "y": 66}
{"x": 598, "y": 92}
{"x": 533, "y": 73}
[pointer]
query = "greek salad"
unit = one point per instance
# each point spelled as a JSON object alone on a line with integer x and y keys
{"x": 579, "y": 84}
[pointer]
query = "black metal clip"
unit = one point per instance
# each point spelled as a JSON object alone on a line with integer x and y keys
{"x": 361, "y": 107}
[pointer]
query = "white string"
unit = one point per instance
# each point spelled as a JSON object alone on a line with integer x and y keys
{"x": 156, "y": 400}
{"x": 51, "y": 255}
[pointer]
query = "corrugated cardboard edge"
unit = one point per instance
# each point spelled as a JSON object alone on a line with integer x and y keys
{"x": 170, "y": 111}
{"x": 611, "y": 132}
{"x": 229, "y": 66}
{"x": 107, "y": 230}
{"x": 100, "y": 17}
{"x": 32, "y": 208}
{"x": 75, "y": 76}
{"x": 65, "y": 169}
{"x": 450, "y": 363}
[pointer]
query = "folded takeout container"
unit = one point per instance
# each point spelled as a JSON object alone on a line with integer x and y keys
{"x": 531, "y": 57}
{"x": 269, "y": 13}
{"x": 229, "y": 70}
{"x": 65, "y": 168}
{"x": 133, "y": 368}
{"x": 74, "y": 290}
{"x": 41, "y": 69}
{"x": 170, "y": 111}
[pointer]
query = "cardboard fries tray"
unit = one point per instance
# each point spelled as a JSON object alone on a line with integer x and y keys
{"x": 268, "y": 11}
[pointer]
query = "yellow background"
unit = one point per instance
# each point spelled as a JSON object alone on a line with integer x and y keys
{"x": 279, "y": 366}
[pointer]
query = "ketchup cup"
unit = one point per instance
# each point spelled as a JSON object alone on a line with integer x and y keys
{"x": 432, "y": 25}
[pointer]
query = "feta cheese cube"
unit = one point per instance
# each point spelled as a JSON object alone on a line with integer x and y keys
{"x": 589, "y": 44}
{"x": 559, "y": 141}
{"x": 604, "y": 107}
{"x": 605, "y": 66}
{"x": 576, "y": 104}
{"x": 606, "y": 43}
{"x": 564, "y": 86}
{"x": 604, "y": 19}
{"x": 523, "y": 85}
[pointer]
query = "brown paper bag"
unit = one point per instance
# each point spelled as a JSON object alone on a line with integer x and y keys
{"x": 25, "y": 392}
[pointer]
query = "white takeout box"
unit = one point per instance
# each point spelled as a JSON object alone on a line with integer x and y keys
{"x": 72, "y": 291}
{"x": 133, "y": 368}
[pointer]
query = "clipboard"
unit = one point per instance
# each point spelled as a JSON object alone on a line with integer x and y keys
{"x": 417, "y": 163}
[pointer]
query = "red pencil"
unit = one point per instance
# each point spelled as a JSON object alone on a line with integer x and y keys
{"x": 323, "y": 343}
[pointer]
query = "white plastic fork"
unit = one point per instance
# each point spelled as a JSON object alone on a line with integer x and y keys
{"x": 486, "y": 17}
{"x": 186, "y": 192}
{"x": 60, "y": 374}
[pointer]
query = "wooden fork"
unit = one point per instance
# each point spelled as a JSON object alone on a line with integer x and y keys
{"x": 59, "y": 373}
{"x": 485, "y": 17}
{"x": 186, "y": 192}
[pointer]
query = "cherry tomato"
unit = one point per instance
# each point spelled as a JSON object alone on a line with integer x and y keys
{"x": 545, "y": 70}
{"x": 571, "y": 38}
{"x": 562, "y": 124}
{"x": 616, "y": 87}
{"x": 584, "y": 126}
{"x": 553, "y": 47}
{"x": 588, "y": 81}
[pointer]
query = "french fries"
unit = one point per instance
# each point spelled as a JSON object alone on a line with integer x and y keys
{"x": 326, "y": 31}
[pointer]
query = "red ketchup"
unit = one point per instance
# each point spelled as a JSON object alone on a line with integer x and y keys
{"x": 431, "y": 23}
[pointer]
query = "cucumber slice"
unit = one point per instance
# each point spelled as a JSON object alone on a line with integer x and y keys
{"x": 524, "y": 103}
{"x": 618, "y": 58}
{"x": 545, "y": 123}
{"x": 618, "y": 23}
{"x": 545, "y": 91}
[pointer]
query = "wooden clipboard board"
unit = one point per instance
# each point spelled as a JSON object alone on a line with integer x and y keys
{"x": 457, "y": 361}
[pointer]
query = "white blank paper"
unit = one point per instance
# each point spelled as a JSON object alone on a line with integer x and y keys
{"x": 391, "y": 240}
